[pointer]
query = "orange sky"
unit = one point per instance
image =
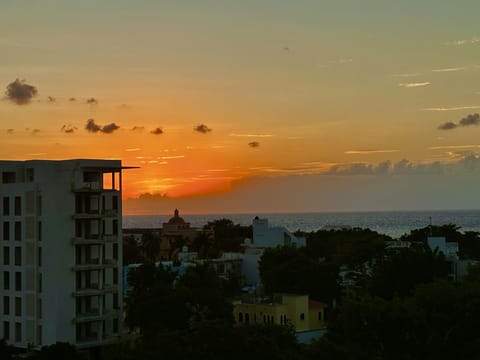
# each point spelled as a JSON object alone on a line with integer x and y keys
{"x": 282, "y": 89}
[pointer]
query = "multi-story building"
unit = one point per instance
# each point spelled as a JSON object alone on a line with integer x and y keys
{"x": 60, "y": 252}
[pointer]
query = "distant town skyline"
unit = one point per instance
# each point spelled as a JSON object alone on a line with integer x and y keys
{"x": 254, "y": 105}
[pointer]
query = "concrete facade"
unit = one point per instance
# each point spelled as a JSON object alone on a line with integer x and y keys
{"x": 61, "y": 252}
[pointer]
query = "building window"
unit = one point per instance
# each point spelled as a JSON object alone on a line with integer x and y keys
{"x": 115, "y": 276}
{"x": 115, "y": 203}
{"x": 6, "y": 280}
{"x": 6, "y": 206}
{"x": 18, "y": 206}
{"x": 115, "y": 227}
{"x": 115, "y": 326}
{"x": 18, "y": 306}
{"x": 29, "y": 174}
{"x": 6, "y": 305}
{"x": 247, "y": 318}
{"x": 6, "y": 230}
{"x": 240, "y": 317}
{"x": 39, "y": 234}
{"x": 115, "y": 251}
{"x": 320, "y": 316}
{"x": 9, "y": 177}
{"x": 6, "y": 255}
{"x": 6, "y": 330}
{"x": 115, "y": 301}
{"x": 18, "y": 231}
{"x": 18, "y": 281}
{"x": 18, "y": 332}
{"x": 302, "y": 316}
{"x": 18, "y": 256}
{"x": 40, "y": 282}
{"x": 39, "y": 254}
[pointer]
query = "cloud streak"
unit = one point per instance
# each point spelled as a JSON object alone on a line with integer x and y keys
{"x": 414, "y": 84}
{"x": 456, "y": 108}
{"x": 366, "y": 152}
{"x": 251, "y": 135}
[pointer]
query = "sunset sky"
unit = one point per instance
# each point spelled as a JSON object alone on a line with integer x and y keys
{"x": 244, "y": 106}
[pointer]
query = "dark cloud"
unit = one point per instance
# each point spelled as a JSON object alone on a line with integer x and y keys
{"x": 51, "y": 99}
{"x": 471, "y": 119}
{"x": 157, "y": 131}
{"x": 68, "y": 129}
{"x": 72, "y": 99}
{"x": 110, "y": 128}
{"x": 202, "y": 128}
{"x": 93, "y": 127}
{"x": 20, "y": 92}
{"x": 10, "y": 131}
{"x": 138, "y": 128}
{"x": 447, "y": 126}
{"x": 32, "y": 131}
{"x": 254, "y": 144}
{"x": 92, "y": 101}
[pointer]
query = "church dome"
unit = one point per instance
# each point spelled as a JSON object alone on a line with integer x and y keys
{"x": 176, "y": 219}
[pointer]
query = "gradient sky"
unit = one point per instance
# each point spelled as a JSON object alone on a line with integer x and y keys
{"x": 304, "y": 105}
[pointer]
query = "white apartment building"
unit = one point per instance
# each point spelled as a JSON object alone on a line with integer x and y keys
{"x": 60, "y": 252}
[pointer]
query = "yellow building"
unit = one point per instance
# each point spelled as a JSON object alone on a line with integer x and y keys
{"x": 297, "y": 310}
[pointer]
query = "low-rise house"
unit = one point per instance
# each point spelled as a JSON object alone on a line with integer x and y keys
{"x": 303, "y": 314}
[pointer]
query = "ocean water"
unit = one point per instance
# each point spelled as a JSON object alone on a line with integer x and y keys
{"x": 392, "y": 223}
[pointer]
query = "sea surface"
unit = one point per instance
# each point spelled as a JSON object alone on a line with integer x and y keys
{"x": 392, "y": 223}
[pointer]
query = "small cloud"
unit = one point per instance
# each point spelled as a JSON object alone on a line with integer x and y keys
{"x": 110, "y": 128}
{"x": 34, "y": 131}
{"x": 133, "y": 149}
{"x": 91, "y": 126}
{"x": 286, "y": 48}
{"x": 472, "y": 107}
{"x": 454, "y": 69}
{"x": 447, "y": 126}
{"x": 10, "y": 131}
{"x": 138, "y": 128}
{"x": 470, "y": 41}
{"x": 20, "y": 92}
{"x": 92, "y": 101}
{"x": 448, "y": 147}
{"x": 471, "y": 119}
{"x": 341, "y": 61}
{"x": 172, "y": 157}
{"x": 51, "y": 99}
{"x": 68, "y": 129}
{"x": 414, "y": 85}
{"x": 157, "y": 131}
{"x": 202, "y": 128}
{"x": 72, "y": 99}
{"x": 254, "y": 144}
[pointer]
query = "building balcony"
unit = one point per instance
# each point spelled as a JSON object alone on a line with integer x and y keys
{"x": 93, "y": 340}
{"x": 89, "y": 315}
{"x": 92, "y": 186}
{"x": 86, "y": 215}
{"x": 94, "y": 239}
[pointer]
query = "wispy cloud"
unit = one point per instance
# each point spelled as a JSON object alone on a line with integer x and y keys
{"x": 68, "y": 129}
{"x": 363, "y": 152}
{"x": 93, "y": 127}
{"x": 470, "y": 41}
{"x": 414, "y": 84}
{"x": 92, "y": 101}
{"x": 469, "y": 107}
{"x": 138, "y": 128}
{"x": 132, "y": 149}
{"x": 252, "y": 135}
{"x": 452, "y": 69}
{"x": 254, "y": 144}
{"x": 450, "y": 147}
{"x": 407, "y": 74}
{"x": 172, "y": 157}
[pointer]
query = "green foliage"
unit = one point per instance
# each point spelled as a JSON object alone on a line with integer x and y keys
{"x": 401, "y": 271}
{"x": 437, "y": 322}
{"x": 6, "y": 351}
{"x": 58, "y": 351}
{"x": 150, "y": 246}
{"x": 289, "y": 269}
{"x": 350, "y": 247}
{"x": 131, "y": 251}
{"x": 229, "y": 236}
